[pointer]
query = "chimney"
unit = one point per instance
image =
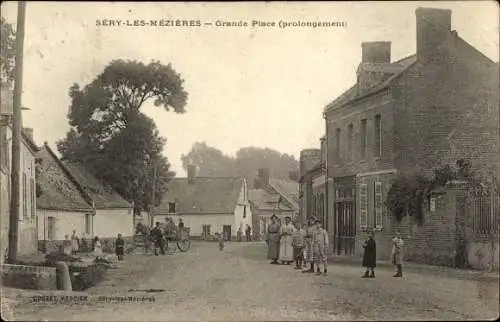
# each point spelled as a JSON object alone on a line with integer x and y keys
{"x": 376, "y": 52}
{"x": 308, "y": 159}
{"x": 191, "y": 173}
{"x": 263, "y": 177}
{"x": 433, "y": 27}
{"x": 28, "y": 132}
{"x": 294, "y": 176}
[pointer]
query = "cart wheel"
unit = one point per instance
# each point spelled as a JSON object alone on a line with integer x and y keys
{"x": 184, "y": 245}
{"x": 169, "y": 250}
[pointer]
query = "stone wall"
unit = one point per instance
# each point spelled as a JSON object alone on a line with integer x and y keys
{"x": 29, "y": 277}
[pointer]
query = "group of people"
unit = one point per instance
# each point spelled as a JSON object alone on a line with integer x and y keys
{"x": 160, "y": 235}
{"x": 75, "y": 245}
{"x": 290, "y": 243}
{"x": 248, "y": 233}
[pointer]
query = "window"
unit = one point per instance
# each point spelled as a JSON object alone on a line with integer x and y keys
{"x": 363, "y": 205}
{"x": 337, "y": 145}
{"x": 171, "y": 207}
{"x": 206, "y": 230}
{"x": 350, "y": 129}
{"x": 51, "y": 228}
{"x": 378, "y": 205}
{"x": 378, "y": 136}
{"x": 25, "y": 195}
{"x": 363, "y": 139}
{"x": 33, "y": 197}
{"x": 88, "y": 223}
{"x": 4, "y": 149}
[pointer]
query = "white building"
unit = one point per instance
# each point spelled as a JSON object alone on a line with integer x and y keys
{"x": 62, "y": 206}
{"x": 207, "y": 205}
{"x": 113, "y": 214}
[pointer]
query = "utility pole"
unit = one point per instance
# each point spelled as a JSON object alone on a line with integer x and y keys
{"x": 153, "y": 194}
{"x": 15, "y": 202}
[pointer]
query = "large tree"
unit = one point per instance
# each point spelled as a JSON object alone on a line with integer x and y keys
{"x": 210, "y": 161}
{"x": 213, "y": 162}
{"x": 7, "y": 52}
{"x": 111, "y": 136}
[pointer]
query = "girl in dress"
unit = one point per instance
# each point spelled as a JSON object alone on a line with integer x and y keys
{"x": 97, "y": 247}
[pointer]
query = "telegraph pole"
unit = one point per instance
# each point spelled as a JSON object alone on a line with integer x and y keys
{"x": 153, "y": 195}
{"x": 15, "y": 202}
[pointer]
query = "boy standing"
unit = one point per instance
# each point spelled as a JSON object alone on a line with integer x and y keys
{"x": 298, "y": 245}
{"x": 220, "y": 240}
{"x": 320, "y": 247}
{"x": 369, "y": 255}
{"x": 119, "y": 247}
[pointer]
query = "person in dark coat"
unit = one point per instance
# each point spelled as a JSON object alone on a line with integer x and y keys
{"x": 370, "y": 255}
{"x": 119, "y": 247}
{"x": 157, "y": 237}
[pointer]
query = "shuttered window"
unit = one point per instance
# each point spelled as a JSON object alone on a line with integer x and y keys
{"x": 363, "y": 205}
{"x": 25, "y": 195}
{"x": 33, "y": 197}
{"x": 378, "y": 205}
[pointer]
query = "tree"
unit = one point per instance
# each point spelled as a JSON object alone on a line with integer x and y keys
{"x": 7, "y": 52}
{"x": 212, "y": 162}
{"x": 110, "y": 135}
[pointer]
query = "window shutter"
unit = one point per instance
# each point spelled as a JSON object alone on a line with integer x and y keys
{"x": 378, "y": 205}
{"x": 363, "y": 205}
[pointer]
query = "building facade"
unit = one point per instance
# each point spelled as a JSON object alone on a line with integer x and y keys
{"x": 27, "y": 235}
{"x": 409, "y": 116}
{"x": 273, "y": 196}
{"x": 62, "y": 206}
{"x": 207, "y": 205}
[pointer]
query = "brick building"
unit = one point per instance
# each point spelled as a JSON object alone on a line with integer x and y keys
{"x": 312, "y": 195}
{"x": 409, "y": 116}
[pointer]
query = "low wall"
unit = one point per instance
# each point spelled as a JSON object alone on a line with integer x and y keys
{"x": 29, "y": 277}
{"x": 108, "y": 245}
{"x": 484, "y": 254}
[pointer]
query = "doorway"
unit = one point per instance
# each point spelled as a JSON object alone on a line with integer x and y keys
{"x": 345, "y": 216}
{"x": 226, "y": 230}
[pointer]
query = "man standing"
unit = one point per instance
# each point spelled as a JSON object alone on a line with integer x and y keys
{"x": 308, "y": 258}
{"x": 248, "y": 232}
{"x": 320, "y": 247}
{"x": 397, "y": 254}
{"x": 157, "y": 236}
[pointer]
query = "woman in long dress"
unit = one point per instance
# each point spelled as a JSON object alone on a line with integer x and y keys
{"x": 273, "y": 240}
{"x": 286, "y": 248}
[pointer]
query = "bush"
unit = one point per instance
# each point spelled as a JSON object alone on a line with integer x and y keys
{"x": 83, "y": 277}
{"x": 54, "y": 257}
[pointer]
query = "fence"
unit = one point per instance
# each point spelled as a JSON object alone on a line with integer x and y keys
{"x": 484, "y": 212}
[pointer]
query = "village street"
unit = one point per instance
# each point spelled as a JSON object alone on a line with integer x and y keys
{"x": 239, "y": 284}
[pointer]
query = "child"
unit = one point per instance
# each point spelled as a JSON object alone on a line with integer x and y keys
{"x": 220, "y": 240}
{"x": 67, "y": 249}
{"x": 369, "y": 255}
{"x": 119, "y": 247}
{"x": 97, "y": 247}
{"x": 320, "y": 247}
{"x": 298, "y": 245}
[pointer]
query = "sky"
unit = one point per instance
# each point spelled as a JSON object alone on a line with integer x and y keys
{"x": 261, "y": 86}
